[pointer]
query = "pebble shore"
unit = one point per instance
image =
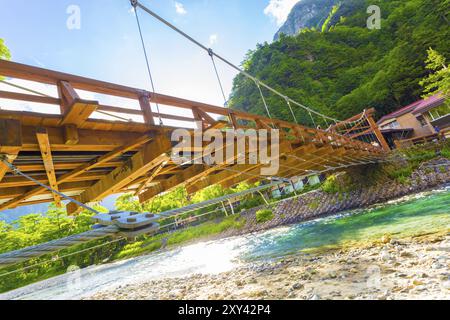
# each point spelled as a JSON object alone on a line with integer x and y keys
{"x": 389, "y": 269}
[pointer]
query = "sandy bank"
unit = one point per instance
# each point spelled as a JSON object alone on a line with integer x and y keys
{"x": 417, "y": 268}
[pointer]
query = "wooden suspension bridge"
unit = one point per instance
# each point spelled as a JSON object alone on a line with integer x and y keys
{"x": 79, "y": 154}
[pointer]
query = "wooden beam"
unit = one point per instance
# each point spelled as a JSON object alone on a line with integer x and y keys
{"x": 149, "y": 179}
{"x": 19, "y": 181}
{"x": 9, "y": 193}
{"x": 152, "y": 155}
{"x": 88, "y": 140}
{"x": 46, "y": 153}
{"x": 74, "y": 109}
{"x": 203, "y": 115}
{"x": 71, "y": 134}
{"x": 184, "y": 177}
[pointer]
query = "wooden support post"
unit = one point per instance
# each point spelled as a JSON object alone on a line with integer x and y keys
{"x": 206, "y": 117}
{"x": 72, "y": 207}
{"x": 46, "y": 153}
{"x": 79, "y": 170}
{"x": 10, "y": 142}
{"x": 233, "y": 120}
{"x": 146, "y": 108}
{"x": 151, "y": 155}
{"x": 378, "y": 133}
{"x": 67, "y": 96}
{"x": 71, "y": 134}
{"x": 3, "y": 167}
{"x": 75, "y": 110}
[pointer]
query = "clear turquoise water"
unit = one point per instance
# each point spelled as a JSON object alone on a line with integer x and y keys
{"x": 414, "y": 215}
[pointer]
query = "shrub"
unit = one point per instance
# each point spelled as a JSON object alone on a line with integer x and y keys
{"x": 264, "y": 215}
{"x": 401, "y": 174}
{"x": 314, "y": 205}
{"x": 250, "y": 203}
{"x": 445, "y": 152}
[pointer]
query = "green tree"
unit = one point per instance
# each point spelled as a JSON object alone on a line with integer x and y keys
{"x": 438, "y": 82}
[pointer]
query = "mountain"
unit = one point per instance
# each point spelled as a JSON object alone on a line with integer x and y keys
{"x": 12, "y": 215}
{"x": 342, "y": 68}
{"x": 314, "y": 13}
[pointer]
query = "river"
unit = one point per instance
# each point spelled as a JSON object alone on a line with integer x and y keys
{"x": 409, "y": 216}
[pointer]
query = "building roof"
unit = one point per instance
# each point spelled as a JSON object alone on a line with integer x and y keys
{"x": 417, "y": 107}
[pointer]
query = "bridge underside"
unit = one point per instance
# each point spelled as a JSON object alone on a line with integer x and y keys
{"x": 89, "y": 158}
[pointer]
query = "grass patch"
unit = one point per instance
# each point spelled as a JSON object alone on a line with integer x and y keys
{"x": 206, "y": 229}
{"x": 313, "y": 205}
{"x": 264, "y": 215}
{"x": 153, "y": 243}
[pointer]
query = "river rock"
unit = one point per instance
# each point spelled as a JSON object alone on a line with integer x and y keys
{"x": 298, "y": 286}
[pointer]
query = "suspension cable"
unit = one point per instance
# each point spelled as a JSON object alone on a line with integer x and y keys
{"x": 15, "y": 170}
{"x": 290, "y": 108}
{"x": 136, "y": 4}
{"x": 314, "y": 123}
{"x": 113, "y": 115}
{"x": 211, "y": 54}
{"x": 147, "y": 61}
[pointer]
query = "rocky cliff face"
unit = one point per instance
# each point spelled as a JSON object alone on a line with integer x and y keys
{"x": 313, "y": 14}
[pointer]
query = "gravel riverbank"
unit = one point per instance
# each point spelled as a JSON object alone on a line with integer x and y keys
{"x": 415, "y": 268}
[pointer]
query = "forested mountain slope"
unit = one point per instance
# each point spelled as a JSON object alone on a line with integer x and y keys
{"x": 315, "y": 13}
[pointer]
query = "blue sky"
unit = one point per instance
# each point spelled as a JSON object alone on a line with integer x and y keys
{"x": 107, "y": 46}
